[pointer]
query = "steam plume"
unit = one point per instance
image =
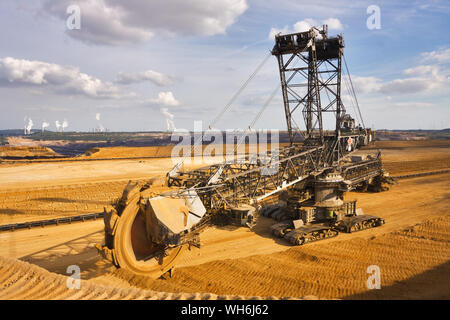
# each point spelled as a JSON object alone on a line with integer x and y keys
{"x": 45, "y": 125}
{"x": 100, "y": 127}
{"x": 169, "y": 119}
{"x": 28, "y": 126}
{"x": 65, "y": 124}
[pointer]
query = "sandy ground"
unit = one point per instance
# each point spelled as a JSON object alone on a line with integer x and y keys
{"x": 21, "y": 280}
{"x": 413, "y": 264}
{"x": 66, "y": 173}
{"x": 412, "y": 249}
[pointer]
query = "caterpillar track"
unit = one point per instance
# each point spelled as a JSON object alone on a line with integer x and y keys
{"x": 312, "y": 233}
{"x": 303, "y": 234}
{"x": 314, "y": 226}
{"x": 321, "y": 231}
{"x": 358, "y": 223}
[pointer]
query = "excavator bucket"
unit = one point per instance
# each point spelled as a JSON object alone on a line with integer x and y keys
{"x": 145, "y": 234}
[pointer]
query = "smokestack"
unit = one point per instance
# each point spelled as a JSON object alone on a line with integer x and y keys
{"x": 169, "y": 119}
{"x": 58, "y": 125}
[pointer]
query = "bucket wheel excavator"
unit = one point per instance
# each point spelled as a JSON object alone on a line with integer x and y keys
{"x": 152, "y": 224}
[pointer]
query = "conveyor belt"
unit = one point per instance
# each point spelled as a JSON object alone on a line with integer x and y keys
{"x": 50, "y": 222}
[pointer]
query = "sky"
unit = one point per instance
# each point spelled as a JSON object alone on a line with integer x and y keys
{"x": 155, "y": 65}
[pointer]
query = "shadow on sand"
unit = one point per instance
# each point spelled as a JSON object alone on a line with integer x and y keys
{"x": 432, "y": 284}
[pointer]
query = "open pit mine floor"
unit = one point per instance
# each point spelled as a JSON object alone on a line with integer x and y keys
{"x": 412, "y": 249}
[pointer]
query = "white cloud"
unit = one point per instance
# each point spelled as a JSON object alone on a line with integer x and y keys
{"x": 274, "y": 31}
{"x": 333, "y": 24}
{"x": 46, "y": 108}
{"x": 100, "y": 22}
{"x": 62, "y": 79}
{"x": 149, "y": 75}
{"x": 440, "y": 56}
{"x": 315, "y": 8}
{"x": 116, "y": 22}
{"x": 365, "y": 84}
{"x": 165, "y": 99}
{"x": 421, "y": 79}
{"x": 412, "y": 105}
{"x": 404, "y": 86}
{"x": 423, "y": 70}
{"x": 304, "y": 25}
{"x": 424, "y": 78}
{"x": 307, "y": 24}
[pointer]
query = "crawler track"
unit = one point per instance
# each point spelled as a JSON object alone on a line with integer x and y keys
{"x": 310, "y": 234}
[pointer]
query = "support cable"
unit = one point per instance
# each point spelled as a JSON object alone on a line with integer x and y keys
{"x": 226, "y": 108}
{"x": 353, "y": 90}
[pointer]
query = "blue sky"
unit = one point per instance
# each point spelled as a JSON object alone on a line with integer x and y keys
{"x": 138, "y": 65}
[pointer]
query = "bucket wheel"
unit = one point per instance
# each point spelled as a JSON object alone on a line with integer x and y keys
{"x": 128, "y": 245}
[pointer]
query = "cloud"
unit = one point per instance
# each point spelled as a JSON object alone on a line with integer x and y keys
{"x": 423, "y": 70}
{"x": 315, "y": 8}
{"x": 117, "y": 22}
{"x": 414, "y": 105}
{"x": 47, "y": 108}
{"x": 366, "y": 84}
{"x": 307, "y": 24}
{"x": 62, "y": 79}
{"x": 258, "y": 99}
{"x": 274, "y": 31}
{"x": 333, "y": 24}
{"x": 157, "y": 78}
{"x": 440, "y": 56}
{"x": 404, "y": 86}
{"x": 304, "y": 25}
{"x": 424, "y": 78}
{"x": 165, "y": 99}
{"x": 421, "y": 79}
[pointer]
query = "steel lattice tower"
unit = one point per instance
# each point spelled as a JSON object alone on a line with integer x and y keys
{"x": 310, "y": 66}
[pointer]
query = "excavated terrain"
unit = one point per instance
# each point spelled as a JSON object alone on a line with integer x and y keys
{"x": 412, "y": 249}
{"x": 20, "y": 280}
